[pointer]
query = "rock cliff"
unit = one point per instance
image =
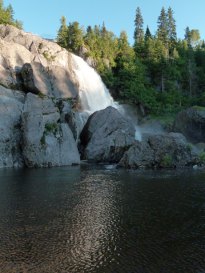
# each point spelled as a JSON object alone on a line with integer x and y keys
{"x": 33, "y": 64}
{"x": 39, "y": 127}
{"x": 36, "y": 130}
{"x": 47, "y": 140}
{"x": 11, "y": 107}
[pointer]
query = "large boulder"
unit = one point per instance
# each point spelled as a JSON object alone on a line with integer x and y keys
{"x": 33, "y": 64}
{"x": 54, "y": 82}
{"x": 106, "y": 136}
{"x": 12, "y": 58}
{"x": 191, "y": 123}
{"x": 42, "y": 50}
{"x": 47, "y": 141}
{"x": 11, "y": 105}
{"x": 169, "y": 150}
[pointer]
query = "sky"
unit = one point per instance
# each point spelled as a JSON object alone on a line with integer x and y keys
{"x": 42, "y": 17}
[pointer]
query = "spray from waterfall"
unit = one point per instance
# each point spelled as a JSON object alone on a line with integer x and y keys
{"x": 94, "y": 95}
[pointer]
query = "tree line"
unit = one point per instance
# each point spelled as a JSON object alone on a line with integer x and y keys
{"x": 7, "y": 16}
{"x": 160, "y": 72}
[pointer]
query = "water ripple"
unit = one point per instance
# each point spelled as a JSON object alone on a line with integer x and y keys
{"x": 91, "y": 220}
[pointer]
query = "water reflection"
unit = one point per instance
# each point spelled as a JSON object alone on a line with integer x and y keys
{"x": 46, "y": 227}
{"x": 93, "y": 220}
{"x": 95, "y": 223}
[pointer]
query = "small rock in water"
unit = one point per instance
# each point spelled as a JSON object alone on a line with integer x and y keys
{"x": 110, "y": 167}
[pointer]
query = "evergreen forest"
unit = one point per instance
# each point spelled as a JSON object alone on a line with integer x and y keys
{"x": 159, "y": 73}
{"x": 7, "y": 16}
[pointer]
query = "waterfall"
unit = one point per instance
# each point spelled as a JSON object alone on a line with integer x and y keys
{"x": 94, "y": 95}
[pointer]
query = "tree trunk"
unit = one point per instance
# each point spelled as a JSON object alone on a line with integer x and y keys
{"x": 162, "y": 83}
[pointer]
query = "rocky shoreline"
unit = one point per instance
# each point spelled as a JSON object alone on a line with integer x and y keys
{"x": 40, "y": 125}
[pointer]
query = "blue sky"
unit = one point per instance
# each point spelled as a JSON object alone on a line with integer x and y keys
{"x": 43, "y": 17}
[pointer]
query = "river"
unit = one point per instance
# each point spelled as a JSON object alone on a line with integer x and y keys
{"x": 95, "y": 219}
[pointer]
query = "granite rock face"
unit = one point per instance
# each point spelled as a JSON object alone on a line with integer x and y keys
{"x": 34, "y": 131}
{"x": 33, "y": 64}
{"x": 46, "y": 140}
{"x": 11, "y": 106}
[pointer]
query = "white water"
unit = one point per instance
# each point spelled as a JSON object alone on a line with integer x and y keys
{"x": 94, "y": 95}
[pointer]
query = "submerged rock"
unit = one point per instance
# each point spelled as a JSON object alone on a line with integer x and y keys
{"x": 106, "y": 136}
{"x": 169, "y": 150}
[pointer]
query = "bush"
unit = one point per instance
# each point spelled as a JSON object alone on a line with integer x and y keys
{"x": 166, "y": 161}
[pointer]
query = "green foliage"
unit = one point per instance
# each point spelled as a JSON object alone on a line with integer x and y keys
{"x": 71, "y": 36}
{"x": 7, "y": 16}
{"x": 199, "y": 108}
{"x": 189, "y": 147}
{"x": 163, "y": 31}
{"x": 102, "y": 47}
{"x": 41, "y": 95}
{"x": 48, "y": 56}
{"x": 202, "y": 157}
{"x": 51, "y": 128}
{"x": 75, "y": 37}
{"x": 139, "y": 32}
{"x": 159, "y": 72}
{"x": 166, "y": 161}
{"x": 62, "y": 36}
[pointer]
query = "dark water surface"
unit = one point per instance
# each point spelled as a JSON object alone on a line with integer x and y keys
{"x": 95, "y": 220}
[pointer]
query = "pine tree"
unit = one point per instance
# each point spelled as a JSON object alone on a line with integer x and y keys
{"x": 187, "y": 36}
{"x": 62, "y": 36}
{"x": 125, "y": 51}
{"x": 148, "y": 34}
{"x": 172, "y": 35}
{"x": 162, "y": 31}
{"x": 75, "y": 37}
{"x": 7, "y": 16}
{"x": 139, "y": 32}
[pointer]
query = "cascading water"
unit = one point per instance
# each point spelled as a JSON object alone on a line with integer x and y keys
{"x": 94, "y": 95}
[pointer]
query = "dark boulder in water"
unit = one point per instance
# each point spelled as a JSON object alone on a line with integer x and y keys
{"x": 169, "y": 150}
{"x": 106, "y": 136}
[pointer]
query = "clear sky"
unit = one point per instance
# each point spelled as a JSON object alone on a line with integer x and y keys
{"x": 42, "y": 17}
